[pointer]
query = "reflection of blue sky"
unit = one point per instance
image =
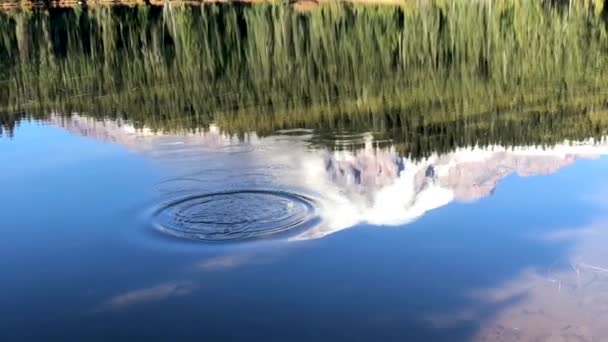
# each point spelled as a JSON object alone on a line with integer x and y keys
{"x": 54, "y": 148}
{"x": 64, "y": 199}
{"x": 49, "y": 173}
{"x": 450, "y": 272}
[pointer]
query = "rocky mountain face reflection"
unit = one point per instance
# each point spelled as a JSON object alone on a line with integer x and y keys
{"x": 322, "y": 190}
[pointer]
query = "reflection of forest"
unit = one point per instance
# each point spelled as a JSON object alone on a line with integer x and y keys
{"x": 415, "y": 137}
{"x": 431, "y": 78}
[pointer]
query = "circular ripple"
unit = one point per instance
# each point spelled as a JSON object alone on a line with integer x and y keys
{"x": 295, "y": 131}
{"x": 341, "y": 139}
{"x": 235, "y": 215}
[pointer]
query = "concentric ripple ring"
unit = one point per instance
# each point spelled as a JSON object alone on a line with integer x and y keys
{"x": 235, "y": 215}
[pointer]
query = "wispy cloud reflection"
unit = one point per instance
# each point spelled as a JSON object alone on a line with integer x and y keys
{"x": 566, "y": 301}
{"x": 477, "y": 314}
{"x": 264, "y": 256}
{"x": 224, "y": 262}
{"x": 146, "y": 295}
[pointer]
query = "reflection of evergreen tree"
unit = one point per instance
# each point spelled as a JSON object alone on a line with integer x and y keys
{"x": 8, "y": 123}
{"x": 429, "y": 78}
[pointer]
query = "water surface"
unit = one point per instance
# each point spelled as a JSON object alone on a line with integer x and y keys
{"x": 256, "y": 173}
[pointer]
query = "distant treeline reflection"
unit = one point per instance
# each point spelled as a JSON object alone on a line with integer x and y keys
{"x": 430, "y": 78}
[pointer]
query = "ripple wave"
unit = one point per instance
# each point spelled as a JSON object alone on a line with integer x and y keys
{"x": 236, "y": 215}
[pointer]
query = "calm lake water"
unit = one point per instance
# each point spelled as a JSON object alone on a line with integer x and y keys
{"x": 349, "y": 173}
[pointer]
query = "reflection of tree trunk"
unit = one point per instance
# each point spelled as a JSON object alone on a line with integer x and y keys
{"x": 23, "y": 36}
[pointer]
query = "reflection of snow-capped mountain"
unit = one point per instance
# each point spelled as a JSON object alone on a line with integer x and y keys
{"x": 371, "y": 185}
{"x": 139, "y": 139}
{"x": 378, "y": 187}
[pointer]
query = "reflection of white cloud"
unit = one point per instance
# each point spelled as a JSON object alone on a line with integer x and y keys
{"x": 146, "y": 295}
{"x": 566, "y": 300}
{"x": 223, "y": 262}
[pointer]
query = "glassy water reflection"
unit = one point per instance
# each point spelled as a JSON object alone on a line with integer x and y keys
{"x": 490, "y": 243}
{"x": 243, "y": 172}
